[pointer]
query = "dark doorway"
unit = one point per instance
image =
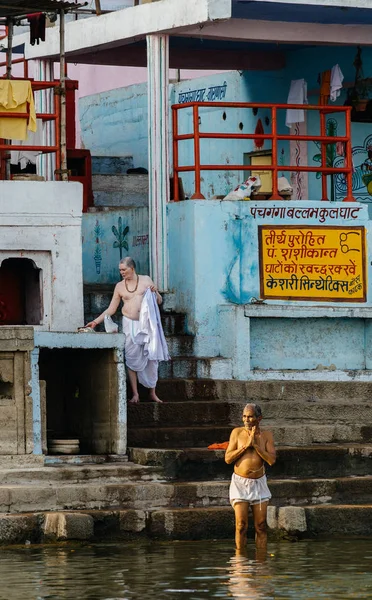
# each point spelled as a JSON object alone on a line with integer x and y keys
{"x": 20, "y": 292}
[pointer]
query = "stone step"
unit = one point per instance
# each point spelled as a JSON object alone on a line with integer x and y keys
{"x": 152, "y": 495}
{"x": 74, "y": 474}
{"x": 219, "y": 412}
{"x": 180, "y": 345}
{"x": 184, "y": 523}
{"x": 303, "y": 462}
{"x": 260, "y": 391}
{"x": 284, "y": 435}
{"x": 218, "y": 522}
{"x": 196, "y": 367}
{"x": 174, "y": 323}
{"x": 334, "y": 519}
{"x": 83, "y": 459}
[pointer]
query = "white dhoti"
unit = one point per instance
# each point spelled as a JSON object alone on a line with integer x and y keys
{"x": 136, "y": 357}
{"x": 244, "y": 489}
{"x": 145, "y": 343}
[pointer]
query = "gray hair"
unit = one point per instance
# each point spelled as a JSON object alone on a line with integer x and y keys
{"x": 256, "y": 407}
{"x": 127, "y": 261}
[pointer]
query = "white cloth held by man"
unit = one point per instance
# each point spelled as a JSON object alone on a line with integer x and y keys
{"x": 145, "y": 343}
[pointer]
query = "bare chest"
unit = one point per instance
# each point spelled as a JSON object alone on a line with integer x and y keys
{"x": 130, "y": 291}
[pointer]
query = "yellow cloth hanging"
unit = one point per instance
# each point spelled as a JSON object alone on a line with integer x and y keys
{"x": 14, "y": 97}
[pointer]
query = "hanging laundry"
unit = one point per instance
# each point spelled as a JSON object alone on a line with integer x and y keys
{"x": 16, "y": 96}
{"x": 37, "y": 27}
{"x": 24, "y": 157}
{"x": 297, "y": 95}
{"x": 336, "y": 83}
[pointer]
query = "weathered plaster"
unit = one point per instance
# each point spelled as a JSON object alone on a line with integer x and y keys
{"x": 130, "y": 23}
{"x": 42, "y": 221}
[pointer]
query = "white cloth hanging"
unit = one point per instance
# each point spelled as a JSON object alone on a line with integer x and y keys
{"x": 297, "y": 95}
{"x": 23, "y": 157}
{"x": 145, "y": 343}
{"x": 336, "y": 83}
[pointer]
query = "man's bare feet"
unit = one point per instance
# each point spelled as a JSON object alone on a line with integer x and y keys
{"x": 135, "y": 399}
{"x": 154, "y": 398}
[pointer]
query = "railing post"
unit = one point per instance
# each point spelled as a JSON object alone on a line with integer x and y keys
{"x": 323, "y": 154}
{"x": 274, "y": 131}
{"x": 197, "y": 195}
{"x": 176, "y": 195}
{"x": 57, "y": 122}
{"x": 348, "y": 158}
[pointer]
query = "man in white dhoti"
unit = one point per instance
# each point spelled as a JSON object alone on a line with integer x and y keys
{"x": 145, "y": 343}
{"x": 249, "y": 448}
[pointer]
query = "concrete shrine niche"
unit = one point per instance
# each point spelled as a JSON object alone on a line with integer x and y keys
{"x": 20, "y": 292}
{"x": 41, "y": 280}
{"x": 25, "y": 288}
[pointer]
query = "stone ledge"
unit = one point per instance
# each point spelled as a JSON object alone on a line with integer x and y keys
{"x": 197, "y": 524}
{"x": 305, "y": 311}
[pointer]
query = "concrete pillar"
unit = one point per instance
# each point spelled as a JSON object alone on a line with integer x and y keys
{"x": 158, "y": 112}
{"x": 36, "y": 405}
{"x": 44, "y": 100}
{"x": 120, "y": 445}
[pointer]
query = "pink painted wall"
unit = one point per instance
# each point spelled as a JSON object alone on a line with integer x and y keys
{"x": 94, "y": 79}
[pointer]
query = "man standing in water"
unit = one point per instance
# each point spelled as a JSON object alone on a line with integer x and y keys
{"x": 131, "y": 290}
{"x": 249, "y": 448}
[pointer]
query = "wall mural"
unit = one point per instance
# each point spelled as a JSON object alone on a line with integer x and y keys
{"x": 298, "y": 156}
{"x": 98, "y": 232}
{"x": 362, "y": 173}
{"x": 109, "y": 236}
{"x": 331, "y": 153}
{"x": 362, "y": 166}
{"x": 120, "y": 235}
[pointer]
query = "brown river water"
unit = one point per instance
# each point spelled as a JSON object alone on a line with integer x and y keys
{"x": 306, "y": 570}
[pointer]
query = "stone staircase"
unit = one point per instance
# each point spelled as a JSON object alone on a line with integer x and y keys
{"x": 322, "y": 431}
{"x": 174, "y": 487}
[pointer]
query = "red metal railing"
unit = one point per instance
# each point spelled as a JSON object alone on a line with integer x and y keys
{"x": 274, "y": 137}
{"x": 55, "y": 116}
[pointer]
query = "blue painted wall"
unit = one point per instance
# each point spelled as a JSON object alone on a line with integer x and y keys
{"x": 114, "y": 123}
{"x": 109, "y": 236}
{"x": 213, "y": 247}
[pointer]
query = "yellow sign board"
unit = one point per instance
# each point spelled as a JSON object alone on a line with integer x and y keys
{"x": 312, "y": 263}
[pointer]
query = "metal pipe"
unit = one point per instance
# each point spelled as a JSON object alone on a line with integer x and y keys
{"x": 274, "y": 168}
{"x": 57, "y": 110}
{"x": 62, "y": 91}
{"x": 197, "y": 194}
{"x": 349, "y": 157}
{"x": 323, "y": 154}
{"x": 10, "y": 25}
{"x": 275, "y": 195}
{"x": 176, "y": 195}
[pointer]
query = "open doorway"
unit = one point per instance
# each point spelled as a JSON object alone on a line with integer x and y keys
{"x": 20, "y": 292}
{"x": 81, "y": 399}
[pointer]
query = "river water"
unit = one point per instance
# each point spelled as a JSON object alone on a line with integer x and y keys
{"x": 331, "y": 570}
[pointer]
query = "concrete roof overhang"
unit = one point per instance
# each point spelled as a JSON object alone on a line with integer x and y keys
{"x": 213, "y": 34}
